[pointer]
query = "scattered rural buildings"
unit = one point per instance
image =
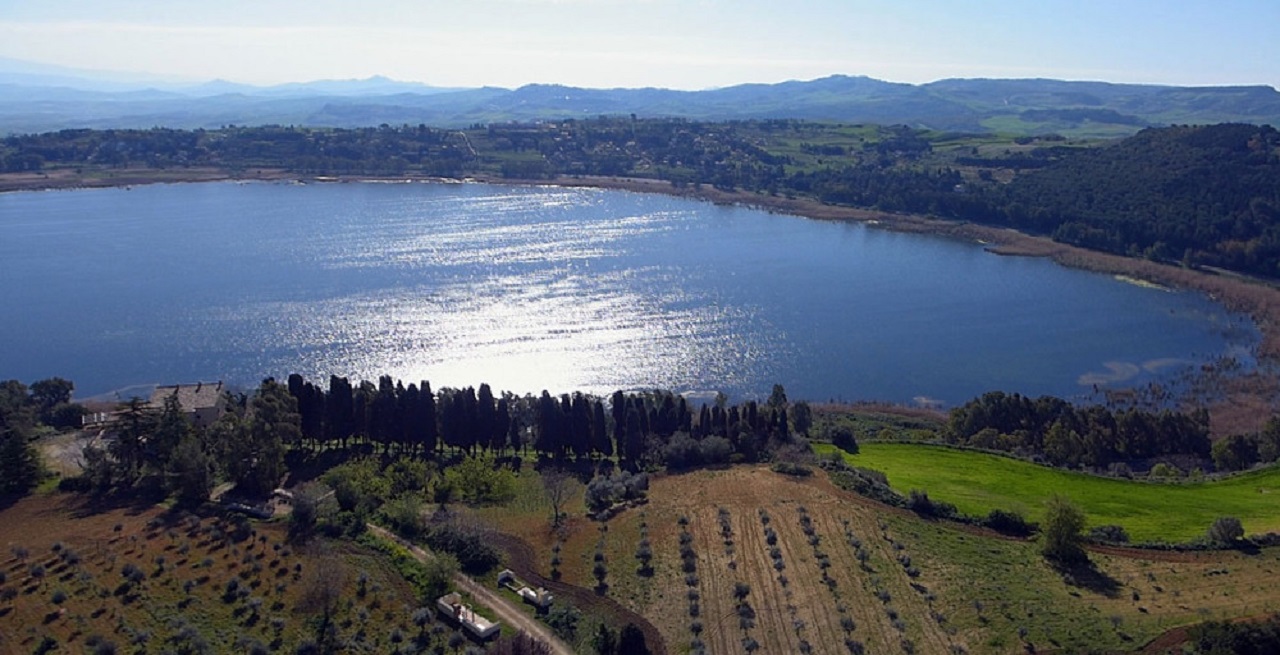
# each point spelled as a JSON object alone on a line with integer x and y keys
{"x": 450, "y": 605}
{"x": 539, "y": 598}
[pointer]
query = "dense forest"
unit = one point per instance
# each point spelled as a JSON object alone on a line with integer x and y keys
{"x": 1204, "y": 195}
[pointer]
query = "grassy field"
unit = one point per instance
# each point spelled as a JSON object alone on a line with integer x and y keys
{"x": 977, "y": 483}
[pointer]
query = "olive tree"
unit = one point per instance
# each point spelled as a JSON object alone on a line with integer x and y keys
{"x": 1061, "y": 531}
{"x": 1226, "y": 530}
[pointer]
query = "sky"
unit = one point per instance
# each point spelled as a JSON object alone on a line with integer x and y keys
{"x": 681, "y": 44}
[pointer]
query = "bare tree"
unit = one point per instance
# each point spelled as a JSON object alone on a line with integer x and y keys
{"x": 558, "y": 485}
{"x": 320, "y": 597}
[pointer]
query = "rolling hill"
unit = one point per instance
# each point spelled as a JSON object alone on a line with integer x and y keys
{"x": 52, "y": 100}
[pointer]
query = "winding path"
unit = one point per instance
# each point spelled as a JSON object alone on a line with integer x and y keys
{"x": 505, "y": 609}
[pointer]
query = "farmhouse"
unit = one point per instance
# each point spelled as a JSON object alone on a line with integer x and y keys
{"x": 203, "y": 401}
{"x": 450, "y": 605}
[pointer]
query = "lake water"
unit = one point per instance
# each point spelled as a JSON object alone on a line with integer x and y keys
{"x": 558, "y": 289}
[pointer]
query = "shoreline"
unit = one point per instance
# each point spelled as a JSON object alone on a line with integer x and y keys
{"x": 1244, "y": 401}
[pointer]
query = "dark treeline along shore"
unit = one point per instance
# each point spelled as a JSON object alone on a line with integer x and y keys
{"x": 1193, "y": 195}
{"x": 637, "y": 431}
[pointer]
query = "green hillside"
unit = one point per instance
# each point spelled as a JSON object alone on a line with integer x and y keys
{"x": 978, "y": 483}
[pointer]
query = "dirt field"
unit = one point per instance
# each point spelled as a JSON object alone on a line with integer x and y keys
{"x": 959, "y": 589}
{"x": 146, "y": 580}
{"x": 804, "y": 609}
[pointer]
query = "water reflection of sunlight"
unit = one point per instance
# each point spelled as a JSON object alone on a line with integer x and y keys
{"x": 552, "y": 329}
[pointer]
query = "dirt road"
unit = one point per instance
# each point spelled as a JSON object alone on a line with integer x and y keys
{"x": 505, "y": 609}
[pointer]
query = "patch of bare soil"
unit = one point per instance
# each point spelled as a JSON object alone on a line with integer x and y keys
{"x": 64, "y": 453}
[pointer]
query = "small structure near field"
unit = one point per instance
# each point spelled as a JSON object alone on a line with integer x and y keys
{"x": 451, "y": 606}
{"x": 539, "y": 598}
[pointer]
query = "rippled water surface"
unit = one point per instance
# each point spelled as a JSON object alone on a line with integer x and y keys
{"x": 562, "y": 289}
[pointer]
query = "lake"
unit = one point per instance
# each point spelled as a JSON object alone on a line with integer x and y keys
{"x": 531, "y": 288}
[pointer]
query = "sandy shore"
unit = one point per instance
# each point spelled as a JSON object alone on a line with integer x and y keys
{"x": 1243, "y": 402}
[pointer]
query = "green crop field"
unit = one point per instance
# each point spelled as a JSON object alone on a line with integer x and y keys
{"x": 978, "y": 482}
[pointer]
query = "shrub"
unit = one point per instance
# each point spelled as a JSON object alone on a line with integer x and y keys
{"x": 842, "y": 438}
{"x": 75, "y": 484}
{"x": 792, "y": 469}
{"x": 1008, "y": 522}
{"x": 564, "y": 620}
{"x": 919, "y": 502}
{"x": 681, "y": 452}
{"x": 404, "y": 515}
{"x": 1226, "y": 530}
{"x": 479, "y": 480}
{"x": 603, "y": 492}
{"x": 867, "y": 482}
{"x": 715, "y": 450}
{"x": 132, "y": 573}
{"x": 1063, "y": 522}
{"x": 1109, "y": 533}
{"x": 475, "y": 554}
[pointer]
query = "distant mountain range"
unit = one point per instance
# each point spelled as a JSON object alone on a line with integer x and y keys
{"x": 37, "y": 98}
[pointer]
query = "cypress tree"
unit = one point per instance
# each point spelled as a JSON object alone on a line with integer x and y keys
{"x": 548, "y": 424}
{"x": 634, "y": 438}
{"x": 501, "y": 425}
{"x": 600, "y": 441}
{"x": 339, "y": 410}
{"x": 618, "y": 407}
{"x": 362, "y": 404}
{"x": 469, "y": 416}
{"x": 486, "y": 417}
{"x": 580, "y": 426}
{"x": 427, "y": 417}
{"x": 407, "y": 409}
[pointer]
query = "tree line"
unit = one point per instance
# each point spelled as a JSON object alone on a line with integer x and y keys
{"x": 158, "y": 449}
{"x": 647, "y": 428}
{"x": 1198, "y": 195}
{"x": 1064, "y": 434}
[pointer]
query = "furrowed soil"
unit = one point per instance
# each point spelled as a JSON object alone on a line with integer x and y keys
{"x": 926, "y": 587}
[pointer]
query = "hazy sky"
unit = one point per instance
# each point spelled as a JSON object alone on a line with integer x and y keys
{"x": 689, "y": 44}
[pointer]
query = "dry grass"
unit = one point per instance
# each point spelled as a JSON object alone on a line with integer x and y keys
{"x": 184, "y": 566}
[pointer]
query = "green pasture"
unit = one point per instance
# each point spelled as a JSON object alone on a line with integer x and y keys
{"x": 978, "y": 483}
